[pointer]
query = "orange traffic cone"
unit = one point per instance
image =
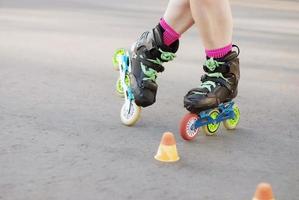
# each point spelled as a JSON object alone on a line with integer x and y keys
{"x": 167, "y": 151}
{"x": 263, "y": 192}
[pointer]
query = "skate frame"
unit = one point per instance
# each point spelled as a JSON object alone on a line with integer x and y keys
{"x": 226, "y": 111}
{"x": 125, "y": 69}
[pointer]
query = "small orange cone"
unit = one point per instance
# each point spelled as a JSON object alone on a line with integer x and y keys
{"x": 263, "y": 192}
{"x": 167, "y": 151}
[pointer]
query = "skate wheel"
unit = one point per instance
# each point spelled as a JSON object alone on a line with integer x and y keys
{"x": 186, "y": 127}
{"x": 130, "y": 113}
{"x": 231, "y": 124}
{"x": 211, "y": 129}
{"x": 118, "y": 52}
{"x": 119, "y": 86}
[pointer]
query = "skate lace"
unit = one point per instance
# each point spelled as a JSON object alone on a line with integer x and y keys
{"x": 150, "y": 73}
{"x": 165, "y": 56}
{"x": 168, "y": 56}
{"x": 211, "y": 64}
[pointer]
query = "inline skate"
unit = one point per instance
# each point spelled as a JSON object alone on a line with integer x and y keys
{"x": 138, "y": 71}
{"x": 211, "y": 103}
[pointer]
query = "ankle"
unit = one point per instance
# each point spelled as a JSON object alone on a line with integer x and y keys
{"x": 169, "y": 34}
{"x": 219, "y": 52}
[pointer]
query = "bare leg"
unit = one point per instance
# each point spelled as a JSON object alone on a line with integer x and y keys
{"x": 178, "y": 15}
{"x": 213, "y": 20}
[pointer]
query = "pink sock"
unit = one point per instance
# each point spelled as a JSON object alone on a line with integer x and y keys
{"x": 218, "y": 53}
{"x": 169, "y": 35}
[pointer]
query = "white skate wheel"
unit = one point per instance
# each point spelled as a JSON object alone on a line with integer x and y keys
{"x": 130, "y": 113}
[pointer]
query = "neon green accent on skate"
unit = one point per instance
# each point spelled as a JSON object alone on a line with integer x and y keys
{"x": 233, "y": 122}
{"x": 119, "y": 86}
{"x": 211, "y": 64}
{"x": 157, "y": 61}
{"x": 167, "y": 55}
{"x": 214, "y": 126}
{"x": 150, "y": 73}
{"x": 127, "y": 80}
{"x": 206, "y": 84}
{"x": 117, "y": 53}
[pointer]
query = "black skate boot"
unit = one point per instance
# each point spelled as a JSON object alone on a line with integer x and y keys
{"x": 219, "y": 84}
{"x": 147, "y": 56}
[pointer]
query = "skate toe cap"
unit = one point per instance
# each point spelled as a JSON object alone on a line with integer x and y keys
{"x": 197, "y": 103}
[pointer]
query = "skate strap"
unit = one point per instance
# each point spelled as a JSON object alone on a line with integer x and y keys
{"x": 208, "y": 79}
{"x": 214, "y": 76}
{"x": 223, "y": 68}
{"x": 166, "y": 56}
{"x": 154, "y": 58}
{"x": 150, "y": 74}
{"x": 151, "y": 64}
{"x": 201, "y": 90}
{"x": 212, "y": 66}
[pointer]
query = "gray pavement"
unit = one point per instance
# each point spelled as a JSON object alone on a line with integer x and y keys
{"x": 60, "y": 132}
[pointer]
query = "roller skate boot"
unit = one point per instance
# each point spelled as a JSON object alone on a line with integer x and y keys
{"x": 147, "y": 56}
{"x": 211, "y": 102}
{"x": 219, "y": 84}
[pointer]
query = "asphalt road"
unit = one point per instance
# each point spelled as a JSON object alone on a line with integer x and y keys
{"x": 60, "y": 132}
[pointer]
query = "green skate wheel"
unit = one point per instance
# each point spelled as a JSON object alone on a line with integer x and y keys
{"x": 118, "y": 52}
{"x": 231, "y": 124}
{"x": 130, "y": 113}
{"x": 211, "y": 129}
{"x": 119, "y": 87}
